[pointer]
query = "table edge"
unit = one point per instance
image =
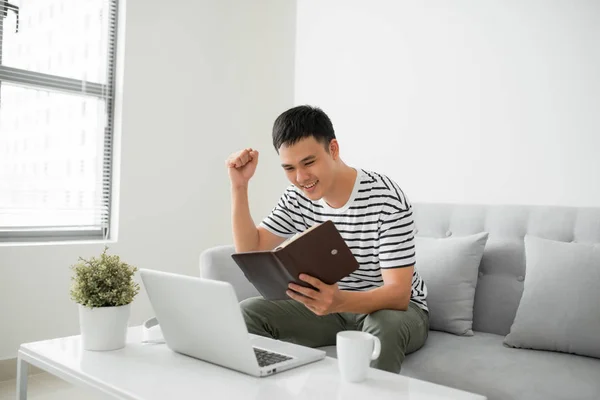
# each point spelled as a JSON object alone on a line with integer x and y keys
{"x": 72, "y": 376}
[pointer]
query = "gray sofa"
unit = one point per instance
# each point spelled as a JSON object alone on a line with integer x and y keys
{"x": 482, "y": 363}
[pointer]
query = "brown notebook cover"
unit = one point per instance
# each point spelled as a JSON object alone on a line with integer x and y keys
{"x": 320, "y": 251}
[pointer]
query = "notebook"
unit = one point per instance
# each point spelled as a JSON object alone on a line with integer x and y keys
{"x": 320, "y": 251}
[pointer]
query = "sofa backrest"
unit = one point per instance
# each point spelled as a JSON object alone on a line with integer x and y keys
{"x": 502, "y": 270}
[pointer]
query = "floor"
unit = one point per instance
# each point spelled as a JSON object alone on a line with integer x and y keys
{"x": 47, "y": 387}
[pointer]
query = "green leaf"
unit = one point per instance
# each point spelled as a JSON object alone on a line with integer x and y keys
{"x": 103, "y": 281}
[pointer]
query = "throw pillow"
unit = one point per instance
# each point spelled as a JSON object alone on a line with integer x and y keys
{"x": 449, "y": 267}
{"x": 559, "y": 307}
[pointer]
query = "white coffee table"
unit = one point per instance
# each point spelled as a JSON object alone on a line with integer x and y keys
{"x": 152, "y": 371}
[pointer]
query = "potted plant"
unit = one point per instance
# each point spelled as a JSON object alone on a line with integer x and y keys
{"x": 104, "y": 289}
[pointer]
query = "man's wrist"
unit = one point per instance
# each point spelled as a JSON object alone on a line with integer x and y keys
{"x": 239, "y": 187}
{"x": 343, "y": 297}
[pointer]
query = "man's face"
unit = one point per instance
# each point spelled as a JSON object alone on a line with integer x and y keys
{"x": 309, "y": 166}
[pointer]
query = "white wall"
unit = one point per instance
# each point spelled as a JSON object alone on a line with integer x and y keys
{"x": 201, "y": 79}
{"x": 494, "y": 101}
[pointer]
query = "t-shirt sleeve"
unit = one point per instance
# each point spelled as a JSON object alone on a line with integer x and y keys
{"x": 280, "y": 221}
{"x": 397, "y": 240}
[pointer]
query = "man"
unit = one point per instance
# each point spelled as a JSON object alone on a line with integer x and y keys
{"x": 385, "y": 296}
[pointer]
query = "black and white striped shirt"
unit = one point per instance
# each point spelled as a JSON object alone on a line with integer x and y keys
{"x": 376, "y": 223}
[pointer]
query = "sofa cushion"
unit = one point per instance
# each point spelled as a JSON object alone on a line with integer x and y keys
{"x": 559, "y": 307}
{"x": 216, "y": 263}
{"x": 449, "y": 267}
{"x": 482, "y": 364}
{"x": 502, "y": 271}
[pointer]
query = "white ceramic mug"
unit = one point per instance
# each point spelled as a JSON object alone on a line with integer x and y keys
{"x": 355, "y": 350}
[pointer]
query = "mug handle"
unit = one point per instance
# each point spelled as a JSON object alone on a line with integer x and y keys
{"x": 376, "y": 348}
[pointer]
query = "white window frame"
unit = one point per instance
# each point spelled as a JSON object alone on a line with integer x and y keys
{"x": 32, "y": 79}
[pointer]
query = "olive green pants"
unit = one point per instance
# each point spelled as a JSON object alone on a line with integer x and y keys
{"x": 400, "y": 332}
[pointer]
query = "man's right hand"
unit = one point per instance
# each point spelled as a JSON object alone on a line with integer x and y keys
{"x": 241, "y": 166}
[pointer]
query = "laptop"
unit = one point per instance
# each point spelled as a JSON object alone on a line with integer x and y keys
{"x": 201, "y": 318}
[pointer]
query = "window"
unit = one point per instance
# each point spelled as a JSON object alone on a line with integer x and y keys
{"x": 57, "y": 61}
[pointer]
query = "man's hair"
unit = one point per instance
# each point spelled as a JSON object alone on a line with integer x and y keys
{"x": 301, "y": 122}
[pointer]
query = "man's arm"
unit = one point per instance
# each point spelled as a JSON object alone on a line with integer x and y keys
{"x": 246, "y": 236}
{"x": 393, "y": 295}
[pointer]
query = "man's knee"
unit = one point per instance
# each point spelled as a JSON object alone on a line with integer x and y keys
{"x": 390, "y": 326}
{"x": 251, "y": 304}
{"x": 400, "y": 334}
{"x": 253, "y": 317}
{"x": 387, "y": 321}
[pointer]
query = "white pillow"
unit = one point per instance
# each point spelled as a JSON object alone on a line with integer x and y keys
{"x": 560, "y": 306}
{"x": 449, "y": 267}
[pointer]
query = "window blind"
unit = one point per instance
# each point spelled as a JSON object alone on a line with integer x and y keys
{"x": 57, "y": 70}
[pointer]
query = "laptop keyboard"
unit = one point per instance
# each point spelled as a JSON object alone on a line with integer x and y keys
{"x": 265, "y": 358}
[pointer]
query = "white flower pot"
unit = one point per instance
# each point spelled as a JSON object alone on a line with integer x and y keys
{"x": 104, "y": 328}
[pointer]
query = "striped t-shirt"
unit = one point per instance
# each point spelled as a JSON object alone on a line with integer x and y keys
{"x": 376, "y": 223}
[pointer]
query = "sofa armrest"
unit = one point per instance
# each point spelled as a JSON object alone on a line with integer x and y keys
{"x": 216, "y": 264}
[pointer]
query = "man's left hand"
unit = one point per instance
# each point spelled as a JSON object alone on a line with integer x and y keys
{"x": 326, "y": 300}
